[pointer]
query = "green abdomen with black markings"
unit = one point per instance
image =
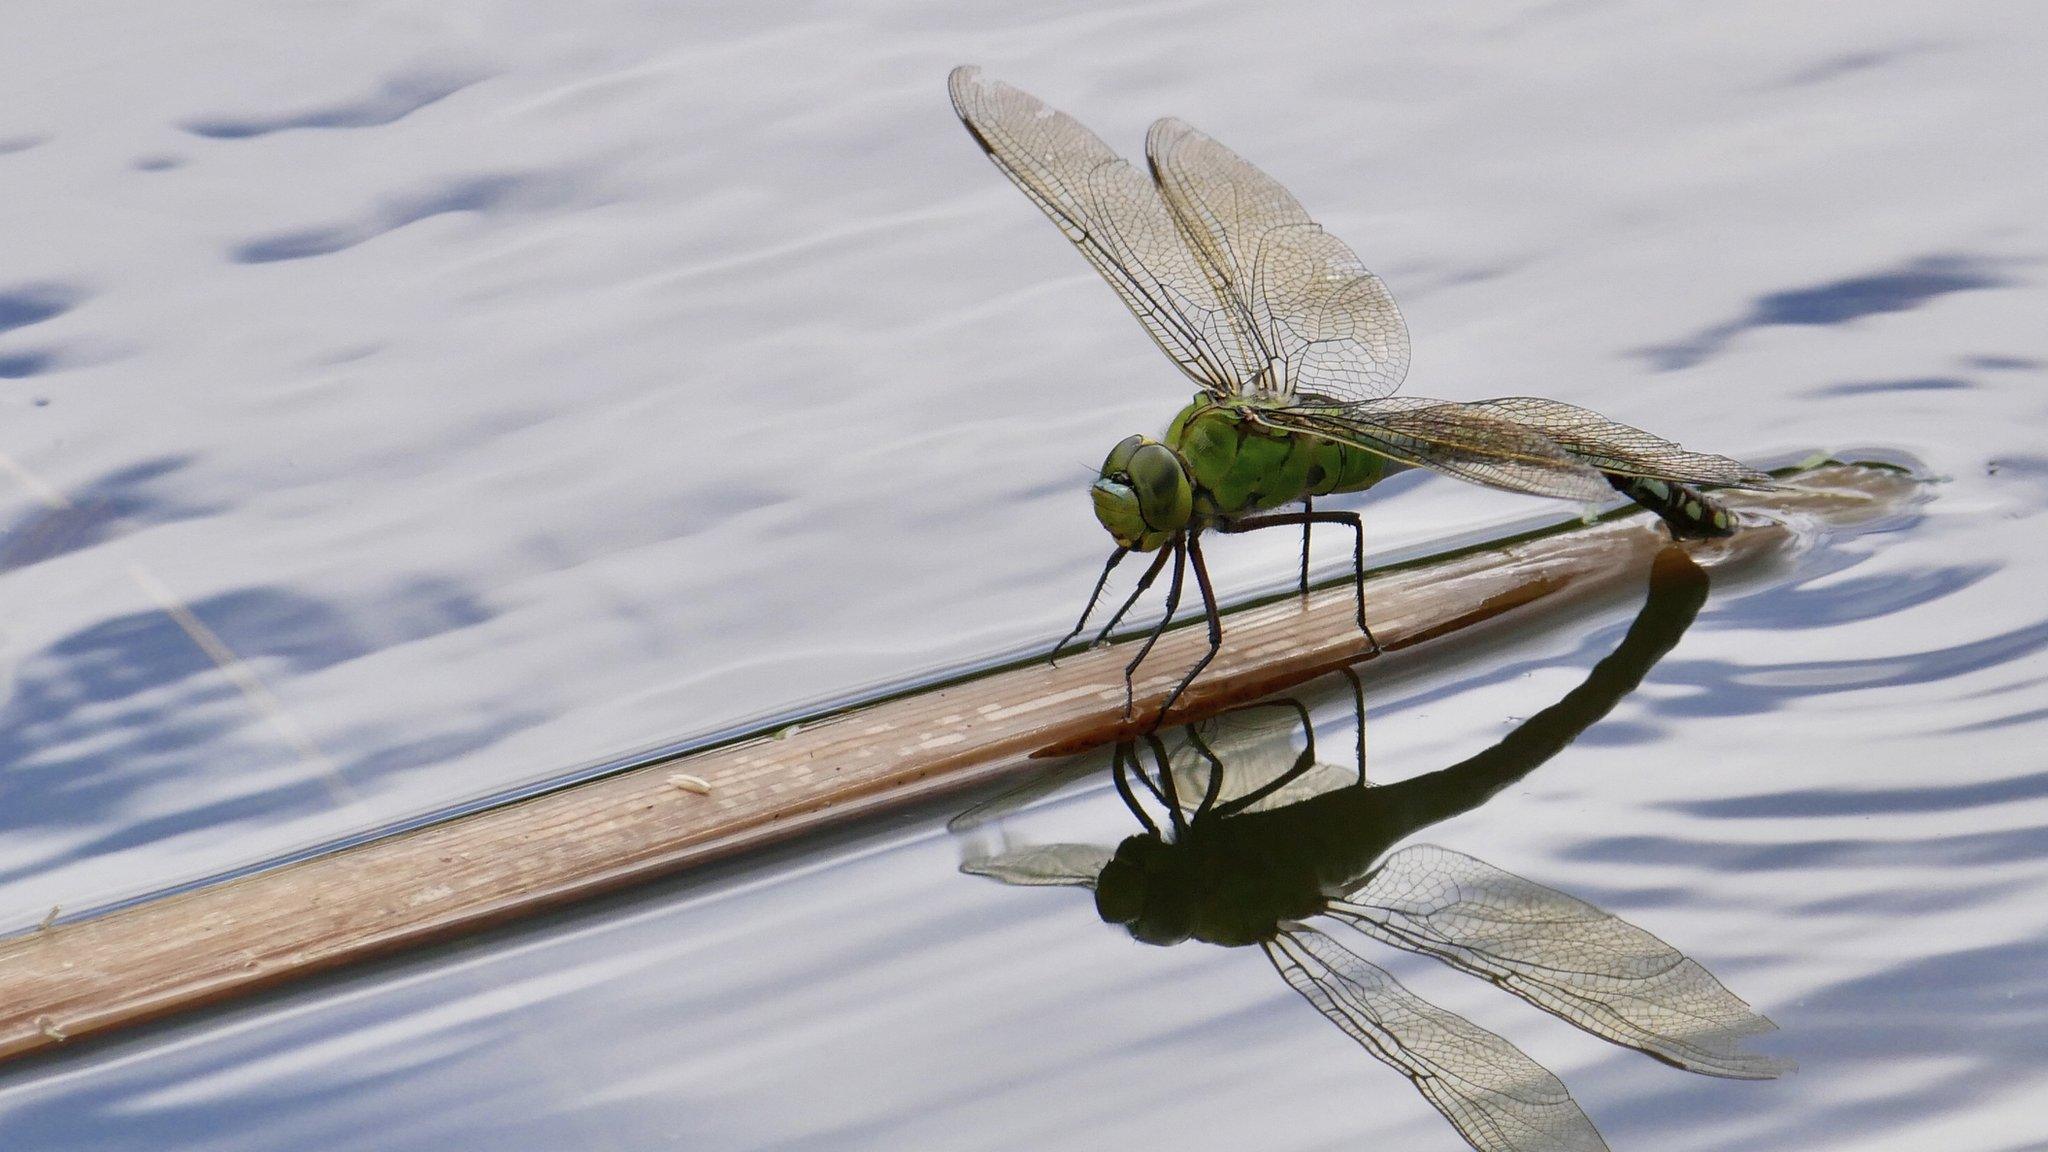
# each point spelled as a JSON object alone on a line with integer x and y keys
{"x": 1238, "y": 468}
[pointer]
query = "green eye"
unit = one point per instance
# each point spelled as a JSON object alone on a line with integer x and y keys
{"x": 1119, "y": 457}
{"x": 1161, "y": 486}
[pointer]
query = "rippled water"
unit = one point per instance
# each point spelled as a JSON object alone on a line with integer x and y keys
{"x": 509, "y": 390}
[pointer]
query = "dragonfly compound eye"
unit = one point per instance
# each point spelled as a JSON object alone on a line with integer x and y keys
{"x": 1143, "y": 496}
{"x": 1164, "y": 497}
{"x": 1119, "y": 458}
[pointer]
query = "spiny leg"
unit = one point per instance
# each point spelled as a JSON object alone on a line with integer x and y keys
{"x": 1144, "y": 585}
{"x": 1358, "y": 701}
{"x": 1302, "y": 763}
{"x": 1308, "y": 729}
{"x": 1350, "y": 520}
{"x": 1287, "y": 702}
{"x": 1115, "y": 558}
{"x": 1138, "y": 769}
{"x": 1172, "y": 797}
{"x": 1194, "y": 548}
{"x": 1308, "y": 506}
{"x": 1172, "y": 605}
{"x": 1121, "y": 774}
{"x": 1215, "y": 786}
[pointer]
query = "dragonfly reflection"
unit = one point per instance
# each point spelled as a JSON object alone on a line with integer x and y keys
{"x": 1255, "y": 836}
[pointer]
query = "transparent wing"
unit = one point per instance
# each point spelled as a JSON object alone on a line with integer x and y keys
{"x": 1022, "y": 796}
{"x": 1254, "y": 745}
{"x": 1497, "y": 1098}
{"x": 1317, "y": 319}
{"x": 1561, "y": 954}
{"x": 1073, "y": 865}
{"x": 1191, "y": 779}
{"x": 1461, "y": 440}
{"x": 1612, "y": 446}
{"x": 1114, "y": 215}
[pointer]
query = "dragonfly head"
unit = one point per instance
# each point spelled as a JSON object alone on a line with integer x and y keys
{"x": 1143, "y": 495}
{"x": 1139, "y": 888}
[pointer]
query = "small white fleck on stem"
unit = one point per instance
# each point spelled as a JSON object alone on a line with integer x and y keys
{"x": 49, "y": 918}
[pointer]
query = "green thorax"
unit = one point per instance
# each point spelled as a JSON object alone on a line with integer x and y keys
{"x": 1239, "y": 467}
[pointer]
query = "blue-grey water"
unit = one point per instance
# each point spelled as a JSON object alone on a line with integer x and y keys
{"x": 503, "y": 389}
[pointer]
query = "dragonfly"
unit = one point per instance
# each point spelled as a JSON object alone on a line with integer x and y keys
{"x": 1298, "y": 351}
{"x": 1258, "y": 838}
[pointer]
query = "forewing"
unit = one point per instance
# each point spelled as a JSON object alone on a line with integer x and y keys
{"x": 1612, "y": 446}
{"x": 1114, "y": 215}
{"x": 1072, "y": 865}
{"x": 1561, "y": 954}
{"x": 1022, "y": 796}
{"x": 1461, "y": 440}
{"x": 1319, "y": 321}
{"x": 1254, "y": 745}
{"x": 1318, "y": 779}
{"x": 1497, "y": 1098}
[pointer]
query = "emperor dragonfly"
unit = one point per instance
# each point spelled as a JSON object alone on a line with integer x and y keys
{"x": 1259, "y": 839}
{"x": 1298, "y": 350}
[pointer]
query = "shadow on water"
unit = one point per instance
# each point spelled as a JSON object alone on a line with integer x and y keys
{"x": 1881, "y": 387}
{"x": 101, "y": 509}
{"x": 1254, "y": 837}
{"x": 394, "y": 100}
{"x": 130, "y": 705}
{"x": 470, "y": 194}
{"x": 28, "y": 304}
{"x": 1836, "y": 302}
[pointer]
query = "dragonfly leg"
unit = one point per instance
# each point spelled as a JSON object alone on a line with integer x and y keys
{"x": 1138, "y": 768}
{"x": 1302, "y": 764}
{"x": 1127, "y": 751}
{"x": 1172, "y": 793}
{"x": 1194, "y": 549}
{"x": 1358, "y": 576}
{"x": 1215, "y": 786}
{"x": 1308, "y": 507}
{"x": 1115, "y": 558}
{"x": 1172, "y": 604}
{"x": 1144, "y": 585}
{"x": 1350, "y": 520}
{"x": 1358, "y": 702}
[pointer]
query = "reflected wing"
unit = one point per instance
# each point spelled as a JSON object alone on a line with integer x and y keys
{"x": 1615, "y": 447}
{"x": 1074, "y": 865}
{"x": 1016, "y": 799}
{"x": 1256, "y": 746}
{"x": 1192, "y": 777}
{"x": 1461, "y": 440}
{"x": 1494, "y": 1094}
{"x": 1114, "y": 215}
{"x": 1561, "y": 954}
{"x": 1313, "y": 313}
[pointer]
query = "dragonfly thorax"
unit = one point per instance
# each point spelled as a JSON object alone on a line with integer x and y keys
{"x": 1219, "y": 462}
{"x": 1166, "y": 892}
{"x": 1239, "y": 465}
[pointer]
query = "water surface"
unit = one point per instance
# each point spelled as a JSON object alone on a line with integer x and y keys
{"x": 509, "y": 390}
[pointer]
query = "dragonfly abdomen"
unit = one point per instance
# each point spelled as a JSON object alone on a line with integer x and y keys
{"x": 1690, "y": 514}
{"x": 1239, "y": 466}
